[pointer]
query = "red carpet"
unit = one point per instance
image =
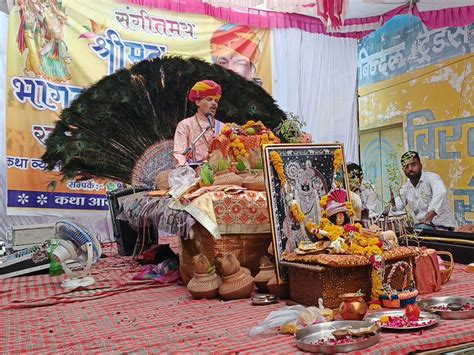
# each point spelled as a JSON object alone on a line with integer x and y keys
{"x": 119, "y": 315}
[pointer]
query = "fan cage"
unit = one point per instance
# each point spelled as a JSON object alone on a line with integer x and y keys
{"x": 79, "y": 235}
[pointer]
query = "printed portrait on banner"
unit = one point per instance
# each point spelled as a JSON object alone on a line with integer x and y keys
{"x": 237, "y": 48}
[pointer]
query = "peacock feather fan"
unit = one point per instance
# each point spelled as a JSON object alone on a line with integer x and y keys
{"x": 111, "y": 124}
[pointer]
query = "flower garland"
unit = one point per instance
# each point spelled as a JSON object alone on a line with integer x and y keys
{"x": 376, "y": 275}
{"x": 235, "y": 134}
{"x": 238, "y": 148}
{"x": 376, "y": 291}
{"x": 296, "y": 211}
{"x": 277, "y": 162}
{"x": 350, "y": 209}
{"x": 338, "y": 159}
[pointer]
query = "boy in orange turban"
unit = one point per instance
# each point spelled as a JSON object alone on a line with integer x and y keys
{"x": 206, "y": 95}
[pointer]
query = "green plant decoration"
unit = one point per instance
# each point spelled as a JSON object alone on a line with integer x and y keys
{"x": 392, "y": 168}
{"x": 240, "y": 165}
{"x": 223, "y": 165}
{"x": 207, "y": 175}
{"x": 290, "y": 129}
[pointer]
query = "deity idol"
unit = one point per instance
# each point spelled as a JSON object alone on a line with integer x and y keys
{"x": 41, "y": 33}
{"x": 307, "y": 186}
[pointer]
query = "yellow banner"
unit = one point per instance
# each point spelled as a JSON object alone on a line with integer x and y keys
{"x": 56, "y": 49}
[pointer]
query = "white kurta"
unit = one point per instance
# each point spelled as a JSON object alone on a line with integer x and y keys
{"x": 429, "y": 195}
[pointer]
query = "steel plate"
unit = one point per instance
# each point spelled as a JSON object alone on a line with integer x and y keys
{"x": 375, "y": 317}
{"x": 443, "y": 301}
{"x": 307, "y": 337}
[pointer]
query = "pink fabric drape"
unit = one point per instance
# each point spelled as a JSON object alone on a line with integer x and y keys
{"x": 451, "y": 17}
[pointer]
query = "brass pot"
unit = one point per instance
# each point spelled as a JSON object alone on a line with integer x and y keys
{"x": 353, "y": 306}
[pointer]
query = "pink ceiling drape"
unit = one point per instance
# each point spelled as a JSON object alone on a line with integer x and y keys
{"x": 354, "y": 28}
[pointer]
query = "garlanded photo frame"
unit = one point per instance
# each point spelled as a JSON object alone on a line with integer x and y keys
{"x": 302, "y": 173}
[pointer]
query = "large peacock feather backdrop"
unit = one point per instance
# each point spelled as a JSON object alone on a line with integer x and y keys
{"x": 111, "y": 124}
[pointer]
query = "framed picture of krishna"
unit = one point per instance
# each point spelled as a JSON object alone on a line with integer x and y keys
{"x": 306, "y": 187}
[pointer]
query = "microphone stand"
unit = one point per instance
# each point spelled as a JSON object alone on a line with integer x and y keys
{"x": 192, "y": 146}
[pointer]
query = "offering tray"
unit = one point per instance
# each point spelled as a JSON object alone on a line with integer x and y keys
{"x": 447, "y": 307}
{"x": 311, "y": 338}
{"x": 264, "y": 299}
{"x": 430, "y": 319}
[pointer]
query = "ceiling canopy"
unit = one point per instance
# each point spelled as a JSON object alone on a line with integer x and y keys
{"x": 349, "y": 18}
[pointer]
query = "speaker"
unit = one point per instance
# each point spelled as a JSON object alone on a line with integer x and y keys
{"x": 125, "y": 236}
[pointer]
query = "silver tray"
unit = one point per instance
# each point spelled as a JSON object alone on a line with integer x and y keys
{"x": 306, "y": 337}
{"x": 263, "y": 299}
{"x": 375, "y": 317}
{"x": 443, "y": 301}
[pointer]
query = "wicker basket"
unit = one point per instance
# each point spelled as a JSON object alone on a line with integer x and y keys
{"x": 397, "y": 297}
{"x": 309, "y": 282}
{"x": 449, "y": 265}
{"x": 248, "y": 248}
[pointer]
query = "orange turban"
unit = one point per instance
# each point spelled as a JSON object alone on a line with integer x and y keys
{"x": 238, "y": 38}
{"x": 203, "y": 89}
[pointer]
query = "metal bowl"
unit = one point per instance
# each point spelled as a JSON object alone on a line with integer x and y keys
{"x": 375, "y": 317}
{"x": 307, "y": 337}
{"x": 428, "y": 303}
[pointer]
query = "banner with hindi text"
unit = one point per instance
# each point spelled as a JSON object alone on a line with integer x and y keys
{"x": 57, "y": 48}
{"x": 420, "y": 80}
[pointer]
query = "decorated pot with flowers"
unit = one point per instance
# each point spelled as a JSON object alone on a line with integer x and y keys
{"x": 236, "y": 142}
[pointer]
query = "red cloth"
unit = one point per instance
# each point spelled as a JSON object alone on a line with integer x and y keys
{"x": 147, "y": 317}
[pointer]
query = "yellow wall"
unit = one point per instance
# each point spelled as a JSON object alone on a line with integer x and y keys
{"x": 435, "y": 106}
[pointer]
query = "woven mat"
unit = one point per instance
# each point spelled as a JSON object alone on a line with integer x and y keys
{"x": 144, "y": 317}
{"x": 335, "y": 260}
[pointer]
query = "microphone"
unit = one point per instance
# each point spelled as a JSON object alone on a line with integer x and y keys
{"x": 209, "y": 118}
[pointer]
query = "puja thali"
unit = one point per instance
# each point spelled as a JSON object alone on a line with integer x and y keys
{"x": 319, "y": 338}
{"x": 449, "y": 307}
{"x": 398, "y": 321}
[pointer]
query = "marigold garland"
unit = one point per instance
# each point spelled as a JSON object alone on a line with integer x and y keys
{"x": 324, "y": 201}
{"x": 350, "y": 209}
{"x": 296, "y": 212}
{"x": 277, "y": 162}
{"x": 338, "y": 159}
{"x": 376, "y": 291}
{"x": 238, "y": 149}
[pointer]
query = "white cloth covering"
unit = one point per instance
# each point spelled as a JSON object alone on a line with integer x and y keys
{"x": 315, "y": 77}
